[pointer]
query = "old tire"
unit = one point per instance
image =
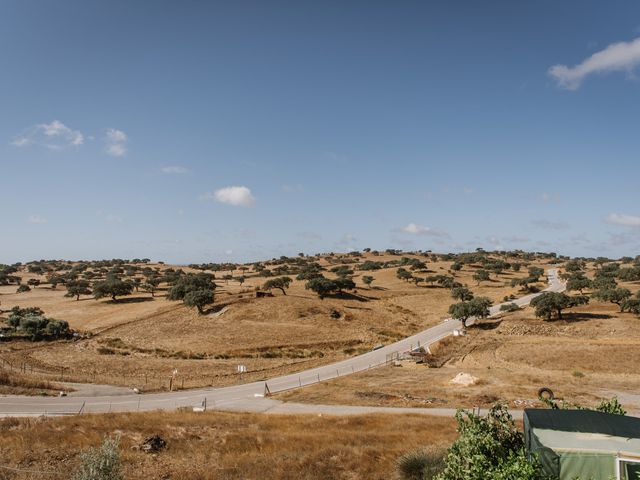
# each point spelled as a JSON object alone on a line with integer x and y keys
{"x": 545, "y": 393}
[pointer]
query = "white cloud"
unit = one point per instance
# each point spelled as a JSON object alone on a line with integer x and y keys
{"x": 174, "y": 169}
{"x": 36, "y": 219}
{"x": 55, "y": 136}
{"x": 115, "y": 142}
{"x": 237, "y": 196}
{"x": 111, "y": 218}
{"x": 116, "y": 136}
{"x": 622, "y": 56}
{"x": 116, "y": 150}
{"x": 547, "y": 197}
{"x": 415, "y": 229}
{"x": 623, "y": 219}
{"x": 550, "y": 224}
{"x": 292, "y": 188}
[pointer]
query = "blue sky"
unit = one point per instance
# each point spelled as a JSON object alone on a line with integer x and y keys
{"x": 210, "y": 131}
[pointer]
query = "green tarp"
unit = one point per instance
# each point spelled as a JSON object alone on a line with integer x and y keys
{"x": 581, "y": 443}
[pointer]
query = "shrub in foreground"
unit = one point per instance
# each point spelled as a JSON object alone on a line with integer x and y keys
{"x": 100, "y": 463}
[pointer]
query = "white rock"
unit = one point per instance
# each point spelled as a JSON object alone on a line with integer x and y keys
{"x": 464, "y": 379}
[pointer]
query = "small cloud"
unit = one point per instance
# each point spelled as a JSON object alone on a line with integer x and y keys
{"x": 517, "y": 239}
{"x": 115, "y": 142}
{"x": 622, "y": 56}
{"x": 549, "y": 197}
{"x": 347, "y": 242}
{"x": 310, "y": 236}
{"x": 174, "y": 169}
{"x": 228, "y": 252}
{"x": 550, "y": 225}
{"x": 237, "y": 196}
{"x": 54, "y": 136}
{"x": 36, "y": 219}
{"x": 111, "y": 218}
{"x": 468, "y": 190}
{"x": 292, "y": 188}
{"x": 623, "y": 219}
{"x": 415, "y": 229}
{"x": 180, "y": 212}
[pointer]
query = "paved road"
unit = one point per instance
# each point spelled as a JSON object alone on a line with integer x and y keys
{"x": 250, "y": 396}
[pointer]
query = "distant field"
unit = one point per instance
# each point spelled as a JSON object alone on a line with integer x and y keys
{"x": 141, "y": 340}
{"x": 589, "y": 355}
{"x": 224, "y": 445}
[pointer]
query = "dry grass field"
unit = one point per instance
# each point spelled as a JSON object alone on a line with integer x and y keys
{"x": 593, "y": 353}
{"x": 141, "y": 340}
{"x": 223, "y": 445}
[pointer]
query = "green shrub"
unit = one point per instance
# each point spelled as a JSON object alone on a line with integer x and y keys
{"x": 509, "y": 307}
{"x": 100, "y": 463}
{"x": 419, "y": 465}
{"x": 488, "y": 447}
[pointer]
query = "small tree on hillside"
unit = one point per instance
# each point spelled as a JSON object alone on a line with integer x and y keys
{"x": 481, "y": 276}
{"x": 199, "y": 298}
{"x": 321, "y": 286}
{"x": 477, "y": 307}
{"x": 403, "y": 274}
{"x": 461, "y": 293}
{"x": 186, "y": 283}
{"x": 553, "y": 303}
{"x": 367, "y": 280}
{"x": 151, "y": 285}
{"x": 76, "y": 288}
{"x": 112, "y": 287}
{"x": 344, "y": 283}
{"x": 536, "y": 272}
{"x": 280, "y": 283}
{"x": 578, "y": 283}
{"x": 614, "y": 295}
{"x": 632, "y": 305}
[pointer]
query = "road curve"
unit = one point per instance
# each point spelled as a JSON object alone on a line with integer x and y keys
{"x": 250, "y": 396}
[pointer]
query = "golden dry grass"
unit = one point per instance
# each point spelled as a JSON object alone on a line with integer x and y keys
{"x": 224, "y": 445}
{"x": 20, "y": 384}
{"x": 141, "y": 340}
{"x": 593, "y": 353}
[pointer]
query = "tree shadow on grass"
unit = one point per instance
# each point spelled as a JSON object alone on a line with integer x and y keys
{"x": 570, "y": 317}
{"x": 131, "y": 300}
{"x": 487, "y": 324}
{"x": 350, "y": 296}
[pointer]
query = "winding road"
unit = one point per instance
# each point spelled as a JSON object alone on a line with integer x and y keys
{"x": 252, "y": 397}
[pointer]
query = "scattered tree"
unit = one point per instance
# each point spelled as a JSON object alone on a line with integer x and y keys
{"x": 76, "y": 288}
{"x": 199, "y": 298}
{"x": 614, "y": 295}
{"x": 579, "y": 283}
{"x": 367, "y": 280}
{"x": 321, "y": 286}
{"x": 481, "y": 276}
{"x": 281, "y": 283}
{"x": 112, "y": 287}
{"x": 477, "y": 307}
{"x": 462, "y": 293}
{"x": 550, "y": 303}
